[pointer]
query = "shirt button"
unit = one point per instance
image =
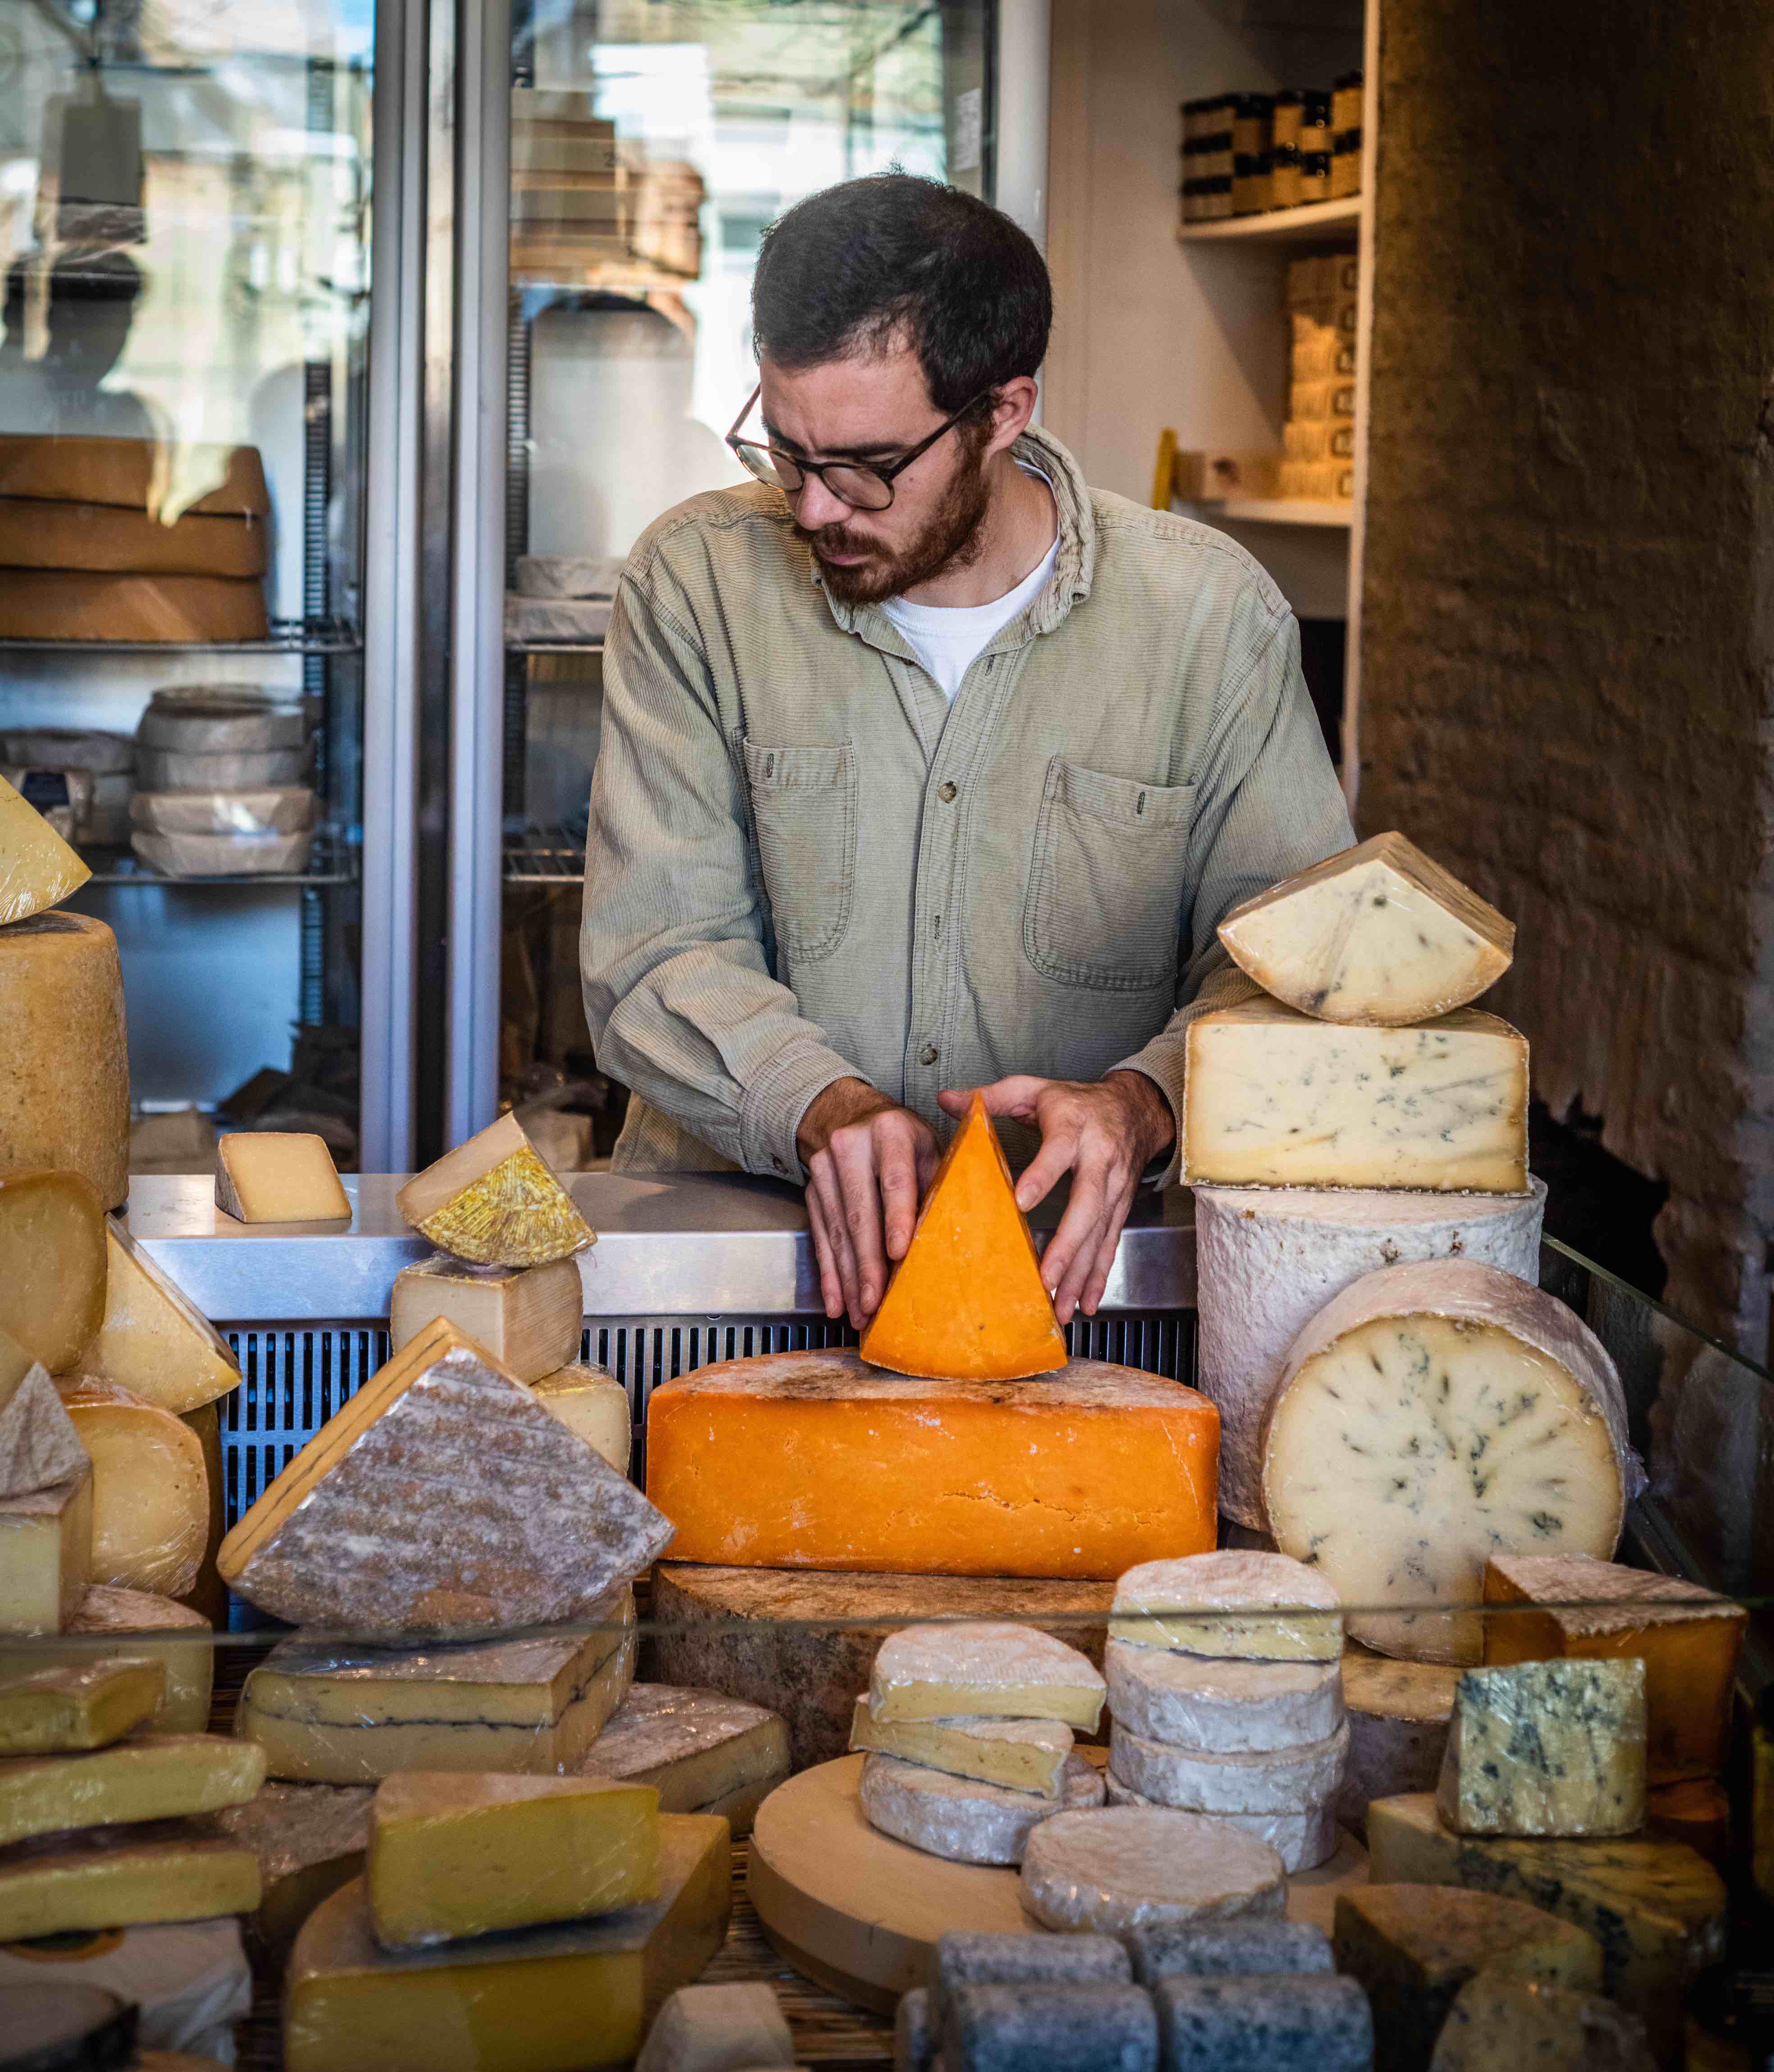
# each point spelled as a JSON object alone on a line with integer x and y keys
{"x": 945, "y": 792}
{"x": 927, "y": 1054}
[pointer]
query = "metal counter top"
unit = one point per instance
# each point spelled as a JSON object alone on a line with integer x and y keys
{"x": 703, "y": 1244}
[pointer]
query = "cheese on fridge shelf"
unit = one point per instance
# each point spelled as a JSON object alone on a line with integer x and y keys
{"x": 810, "y": 1460}
{"x": 38, "y": 1445}
{"x": 167, "y": 478}
{"x": 107, "y": 759}
{"x": 148, "y": 1777}
{"x": 70, "y": 604}
{"x": 224, "y": 856}
{"x": 967, "y": 1302}
{"x": 1290, "y": 1780}
{"x": 65, "y": 1067}
{"x": 1546, "y": 1748}
{"x": 265, "y": 809}
{"x": 40, "y": 532}
{"x": 52, "y": 1239}
{"x": 593, "y": 1403}
{"x": 150, "y": 1489}
{"x": 45, "y": 1555}
{"x": 701, "y": 1751}
{"x": 154, "y": 1341}
{"x": 1429, "y": 1417}
{"x": 1504, "y": 2024}
{"x": 1022, "y": 1755}
{"x": 38, "y": 869}
{"x": 1196, "y": 1701}
{"x": 962, "y": 1818}
{"x": 1232, "y": 1602}
{"x": 983, "y": 1669}
{"x": 267, "y": 1176}
{"x": 117, "y": 1877}
{"x": 528, "y": 1318}
{"x": 1301, "y": 1840}
{"x": 110, "y": 1626}
{"x": 1137, "y": 1866}
{"x": 220, "y": 725}
{"x": 85, "y": 1705}
{"x": 1381, "y": 933}
{"x": 492, "y": 1201}
{"x": 170, "y": 770}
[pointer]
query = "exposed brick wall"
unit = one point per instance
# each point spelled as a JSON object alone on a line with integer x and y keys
{"x": 1568, "y": 650}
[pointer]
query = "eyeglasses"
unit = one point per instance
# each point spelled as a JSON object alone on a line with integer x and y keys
{"x": 863, "y": 488}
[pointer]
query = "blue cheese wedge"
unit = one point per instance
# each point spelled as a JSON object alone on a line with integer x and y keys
{"x": 1502, "y": 2024}
{"x": 1546, "y": 1748}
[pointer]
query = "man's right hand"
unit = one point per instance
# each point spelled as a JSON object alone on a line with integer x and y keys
{"x": 868, "y": 1162}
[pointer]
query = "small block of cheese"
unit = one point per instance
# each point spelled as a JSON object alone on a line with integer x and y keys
{"x": 1234, "y": 1603}
{"x": 1398, "y": 1715}
{"x": 46, "y": 1555}
{"x": 1498, "y": 2024}
{"x": 1275, "y": 1099}
{"x": 528, "y": 1318}
{"x": 64, "y": 1090}
{"x": 699, "y": 1750}
{"x": 1429, "y": 1417}
{"x": 1546, "y": 1748}
{"x": 1022, "y": 1755}
{"x": 1301, "y": 1840}
{"x": 455, "y": 1853}
{"x": 967, "y": 1302}
{"x": 149, "y": 1776}
{"x": 965, "y": 1957}
{"x": 1091, "y": 2028}
{"x": 118, "y": 1878}
{"x": 1247, "y": 2025}
{"x": 154, "y": 1342}
{"x": 278, "y": 1177}
{"x": 52, "y": 1239}
{"x": 310, "y": 1839}
{"x": 1129, "y": 1866}
{"x": 711, "y": 2028}
{"x": 811, "y": 1460}
{"x": 55, "y": 1711}
{"x": 38, "y": 869}
{"x": 1380, "y": 933}
{"x": 1413, "y": 1946}
{"x": 1687, "y": 1638}
{"x": 983, "y": 1669}
{"x": 595, "y": 1405}
{"x": 109, "y": 1626}
{"x": 962, "y": 1818}
{"x": 493, "y": 1200}
{"x": 1197, "y": 1701}
{"x": 545, "y": 2000}
{"x": 38, "y": 1445}
{"x": 1295, "y": 1780}
{"x": 1229, "y": 1949}
{"x": 150, "y": 1489}
{"x": 467, "y": 1506}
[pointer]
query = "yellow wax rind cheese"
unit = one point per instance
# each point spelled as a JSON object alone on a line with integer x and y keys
{"x": 38, "y": 869}
{"x": 57, "y": 1710}
{"x": 278, "y": 1177}
{"x": 64, "y": 1066}
{"x": 52, "y": 1239}
{"x": 38, "y": 1445}
{"x": 150, "y": 1489}
{"x": 528, "y": 1318}
{"x": 494, "y": 1201}
{"x": 154, "y": 1341}
{"x": 46, "y": 1555}
{"x": 122, "y": 1877}
{"x": 148, "y": 1777}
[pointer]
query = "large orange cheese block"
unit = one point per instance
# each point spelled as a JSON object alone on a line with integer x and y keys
{"x": 808, "y": 1460}
{"x": 967, "y": 1302}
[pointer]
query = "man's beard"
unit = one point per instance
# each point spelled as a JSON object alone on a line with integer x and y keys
{"x": 954, "y": 538}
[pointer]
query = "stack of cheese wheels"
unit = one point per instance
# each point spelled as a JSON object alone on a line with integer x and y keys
{"x": 1226, "y": 1691}
{"x": 222, "y": 786}
{"x": 969, "y": 1733}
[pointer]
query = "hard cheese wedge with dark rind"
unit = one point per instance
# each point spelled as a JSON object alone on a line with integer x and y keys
{"x": 967, "y": 1302}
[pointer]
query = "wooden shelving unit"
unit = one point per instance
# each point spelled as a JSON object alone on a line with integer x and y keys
{"x": 1317, "y": 223}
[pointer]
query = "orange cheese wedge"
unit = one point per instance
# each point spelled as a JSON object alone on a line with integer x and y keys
{"x": 967, "y": 1302}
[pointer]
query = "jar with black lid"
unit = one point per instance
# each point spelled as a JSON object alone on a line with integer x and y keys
{"x": 1249, "y": 125}
{"x": 1346, "y": 103}
{"x": 1315, "y": 176}
{"x": 1346, "y": 165}
{"x": 1284, "y": 176}
{"x": 1286, "y": 117}
{"x": 1244, "y": 183}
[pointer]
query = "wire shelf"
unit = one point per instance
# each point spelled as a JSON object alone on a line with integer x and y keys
{"x": 288, "y": 636}
{"x": 331, "y": 861}
{"x": 543, "y": 855}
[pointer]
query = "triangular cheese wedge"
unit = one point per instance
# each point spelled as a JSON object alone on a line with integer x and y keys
{"x": 442, "y": 1496}
{"x": 38, "y": 1445}
{"x": 967, "y": 1302}
{"x": 493, "y": 1202}
{"x": 38, "y": 869}
{"x": 154, "y": 1341}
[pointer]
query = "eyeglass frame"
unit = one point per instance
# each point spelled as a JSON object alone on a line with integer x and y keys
{"x": 887, "y": 471}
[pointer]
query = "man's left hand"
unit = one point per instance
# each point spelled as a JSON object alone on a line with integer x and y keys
{"x": 1104, "y": 1135}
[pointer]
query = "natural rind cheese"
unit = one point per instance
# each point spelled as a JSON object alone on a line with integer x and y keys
{"x": 545, "y": 2000}
{"x": 45, "y": 1555}
{"x": 1133, "y": 1866}
{"x": 1245, "y": 1949}
{"x": 1504, "y": 2024}
{"x": 1268, "y": 1259}
{"x": 984, "y": 1669}
{"x": 221, "y": 724}
{"x": 1199, "y": 1702}
{"x": 150, "y": 1489}
{"x": 468, "y": 1506}
{"x": 1687, "y": 1637}
{"x": 1432, "y": 1415}
{"x": 963, "y": 1819}
{"x": 108, "y": 1625}
{"x": 811, "y": 1460}
{"x": 1296, "y": 1780}
{"x": 165, "y": 477}
{"x": 1546, "y": 1748}
{"x": 972, "y": 1957}
{"x": 593, "y": 1403}
{"x": 528, "y": 1318}
{"x": 148, "y": 1777}
{"x": 154, "y": 1341}
{"x": 1022, "y": 1755}
{"x": 493, "y": 1200}
{"x": 1381, "y": 933}
{"x": 1209, "y": 2025}
{"x": 38, "y": 869}
{"x": 117, "y": 1877}
{"x": 38, "y": 1445}
{"x": 265, "y": 809}
{"x": 71, "y": 604}
{"x": 40, "y": 532}
{"x": 701, "y": 1751}
{"x": 967, "y": 1302}
{"x": 454, "y": 1853}
{"x": 707, "y": 2028}
{"x": 55, "y": 1711}
{"x": 1003, "y": 2028}
{"x": 1232, "y": 1603}
{"x": 162, "y": 770}
{"x": 1274, "y": 1099}
{"x": 223, "y": 856}
{"x": 1398, "y": 1715}
{"x": 64, "y": 1068}
{"x": 1301, "y": 1840}
{"x": 278, "y": 1177}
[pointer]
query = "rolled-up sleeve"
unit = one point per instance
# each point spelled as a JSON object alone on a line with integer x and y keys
{"x": 1268, "y": 803}
{"x": 679, "y": 995}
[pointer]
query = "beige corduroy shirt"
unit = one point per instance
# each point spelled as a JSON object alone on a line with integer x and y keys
{"x": 804, "y": 864}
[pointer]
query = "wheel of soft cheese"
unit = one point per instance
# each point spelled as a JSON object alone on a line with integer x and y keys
{"x": 1432, "y": 1415}
{"x": 1198, "y": 1701}
{"x": 1135, "y": 1866}
{"x": 1268, "y": 1259}
{"x": 1295, "y": 1780}
{"x": 962, "y": 1818}
{"x": 1301, "y": 1840}
{"x": 1234, "y": 1602}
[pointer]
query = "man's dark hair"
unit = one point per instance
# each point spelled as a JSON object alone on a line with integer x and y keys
{"x": 849, "y": 268}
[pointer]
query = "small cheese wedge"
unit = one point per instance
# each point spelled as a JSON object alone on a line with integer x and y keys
{"x": 1503, "y": 2025}
{"x": 1022, "y": 1755}
{"x": 702, "y": 1752}
{"x": 595, "y": 1405}
{"x": 55, "y": 1711}
{"x": 148, "y": 1777}
{"x": 528, "y": 1318}
{"x": 150, "y": 1489}
{"x": 52, "y": 1239}
{"x": 38, "y": 869}
{"x": 975, "y": 1669}
{"x": 456, "y": 1853}
{"x": 38, "y": 1445}
{"x": 109, "y": 1626}
{"x": 1235, "y": 1602}
{"x": 967, "y": 1302}
{"x": 1381, "y": 933}
{"x": 1546, "y": 1748}
{"x": 278, "y": 1177}
{"x": 117, "y": 1877}
{"x": 154, "y": 1341}
{"x": 493, "y": 1200}
{"x": 702, "y": 2027}
{"x": 45, "y": 1555}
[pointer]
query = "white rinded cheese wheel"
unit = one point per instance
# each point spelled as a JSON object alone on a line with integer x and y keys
{"x": 1139, "y": 1866}
{"x": 1428, "y": 1417}
{"x": 962, "y": 1818}
{"x": 221, "y": 726}
{"x": 1301, "y": 1840}
{"x": 1268, "y": 1259}
{"x": 1236, "y": 1601}
{"x": 1229, "y": 1707}
{"x": 1295, "y": 1780}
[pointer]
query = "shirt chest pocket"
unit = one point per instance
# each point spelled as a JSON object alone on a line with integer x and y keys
{"x": 1107, "y": 898}
{"x": 804, "y": 809}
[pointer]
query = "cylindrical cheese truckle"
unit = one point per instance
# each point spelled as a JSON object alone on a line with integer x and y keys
{"x": 150, "y": 1488}
{"x": 1268, "y": 1259}
{"x": 64, "y": 1066}
{"x": 1429, "y": 1417}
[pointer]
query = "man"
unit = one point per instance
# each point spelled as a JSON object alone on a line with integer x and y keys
{"x": 924, "y": 766}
